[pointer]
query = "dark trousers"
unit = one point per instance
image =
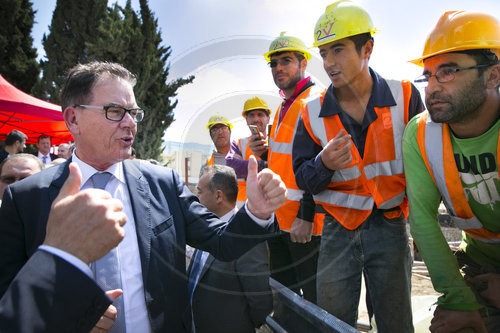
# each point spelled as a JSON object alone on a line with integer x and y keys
{"x": 294, "y": 264}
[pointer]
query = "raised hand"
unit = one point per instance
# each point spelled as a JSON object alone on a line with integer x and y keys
{"x": 336, "y": 154}
{"x": 265, "y": 191}
{"x": 257, "y": 145}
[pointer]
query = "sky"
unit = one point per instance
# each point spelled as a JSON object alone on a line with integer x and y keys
{"x": 222, "y": 43}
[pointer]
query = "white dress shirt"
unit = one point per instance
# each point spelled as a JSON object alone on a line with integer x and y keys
{"x": 48, "y": 160}
{"x": 136, "y": 315}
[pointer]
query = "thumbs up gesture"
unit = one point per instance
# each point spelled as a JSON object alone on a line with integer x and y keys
{"x": 86, "y": 224}
{"x": 265, "y": 191}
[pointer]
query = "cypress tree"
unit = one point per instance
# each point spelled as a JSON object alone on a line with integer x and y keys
{"x": 74, "y": 24}
{"x": 119, "y": 35}
{"x": 152, "y": 89}
{"x": 136, "y": 43}
{"x": 18, "y": 63}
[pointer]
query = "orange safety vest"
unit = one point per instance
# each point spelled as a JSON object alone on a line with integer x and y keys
{"x": 437, "y": 152}
{"x": 377, "y": 178}
{"x": 246, "y": 152}
{"x": 210, "y": 160}
{"x": 280, "y": 161}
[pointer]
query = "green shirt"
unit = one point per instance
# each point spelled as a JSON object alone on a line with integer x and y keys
{"x": 476, "y": 162}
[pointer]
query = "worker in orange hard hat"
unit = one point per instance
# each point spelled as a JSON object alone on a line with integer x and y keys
{"x": 220, "y": 133}
{"x": 451, "y": 153}
{"x": 347, "y": 153}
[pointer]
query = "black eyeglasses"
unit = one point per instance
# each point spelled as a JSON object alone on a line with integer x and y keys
{"x": 446, "y": 74}
{"x": 283, "y": 62}
{"x": 116, "y": 113}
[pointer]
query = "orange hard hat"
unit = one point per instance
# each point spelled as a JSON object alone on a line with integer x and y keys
{"x": 459, "y": 31}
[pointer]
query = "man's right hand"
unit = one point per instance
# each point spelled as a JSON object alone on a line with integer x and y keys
{"x": 336, "y": 154}
{"x": 448, "y": 321}
{"x": 257, "y": 145}
{"x": 301, "y": 231}
{"x": 86, "y": 224}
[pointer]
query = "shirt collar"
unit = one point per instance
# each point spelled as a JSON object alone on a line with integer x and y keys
{"x": 298, "y": 88}
{"x": 381, "y": 97}
{"x": 88, "y": 171}
{"x": 226, "y": 217}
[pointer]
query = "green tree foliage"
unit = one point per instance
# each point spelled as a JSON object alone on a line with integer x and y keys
{"x": 133, "y": 40}
{"x": 74, "y": 24}
{"x": 18, "y": 63}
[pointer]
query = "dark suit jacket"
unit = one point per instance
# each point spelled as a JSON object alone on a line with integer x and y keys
{"x": 51, "y": 295}
{"x": 3, "y": 155}
{"x": 167, "y": 216}
{"x": 233, "y": 296}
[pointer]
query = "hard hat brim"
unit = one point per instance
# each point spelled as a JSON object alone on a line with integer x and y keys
{"x": 244, "y": 113}
{"x": 220, "y": 122}
{"x": 306, "y": 54}
{"x": 420, "y": 61}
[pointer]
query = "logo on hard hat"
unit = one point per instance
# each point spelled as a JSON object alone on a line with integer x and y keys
{"x": 280, "y": 44}
{"x": 327, "y": 33}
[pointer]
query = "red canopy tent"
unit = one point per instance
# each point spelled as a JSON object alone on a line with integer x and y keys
{"x": 30, "y": 115}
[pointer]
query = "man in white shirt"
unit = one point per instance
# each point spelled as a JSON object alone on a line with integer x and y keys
{"x": 101, "y": 112}
{"x": 43, "y": 144}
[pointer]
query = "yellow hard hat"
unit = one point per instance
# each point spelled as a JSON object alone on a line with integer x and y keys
{"x": 218, "y": 119}
{"x": 342, "y": 19}
{"x": 462, "y": 30}
{"x": 255, "y": 103}
{"x": 287, "y": 43}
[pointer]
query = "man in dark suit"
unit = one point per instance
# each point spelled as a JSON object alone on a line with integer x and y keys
{"x": 43, "y": 143}
{"x": 227, "y": 296}
{"x": 51, "y": 293}
{"x": 101, "y": 113}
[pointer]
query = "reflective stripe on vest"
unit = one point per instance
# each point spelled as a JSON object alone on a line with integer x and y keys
{"x": 439, "y": 158}
{"x": 364, "y": 183}
{"x": 281, "y": 140}
{"x": 243, "y": 145}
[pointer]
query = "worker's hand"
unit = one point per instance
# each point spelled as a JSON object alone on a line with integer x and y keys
{"x": 266, "y": 192}
{"x": 492, "y": 292}
{"x": 86, "y": 224}
{"x": 107, "y": 320}
{"x": 258, "y": 144}
{"x": 449, "y": 321}
{"x": 336, "y": 154}
{"x": 301, "y": 231}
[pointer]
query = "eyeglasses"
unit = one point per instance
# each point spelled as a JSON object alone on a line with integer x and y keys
{"x": 445, "y": 74}
{"x": 116, "y": 113}
{"x": 214, "y": 130}
{"x": 282, "y": 61}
